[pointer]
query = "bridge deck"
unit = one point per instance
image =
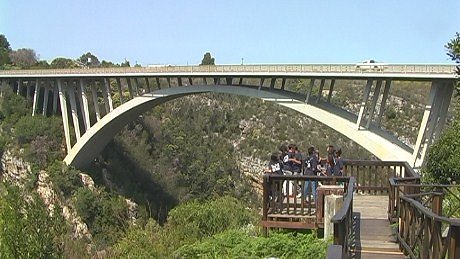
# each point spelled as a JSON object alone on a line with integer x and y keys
{"x": 373, "y": 235}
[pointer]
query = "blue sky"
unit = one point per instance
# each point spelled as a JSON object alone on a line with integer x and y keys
{"x": 180, "y": 32}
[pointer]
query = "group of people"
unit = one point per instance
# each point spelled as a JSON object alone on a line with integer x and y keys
{"x": 291, "y": 161}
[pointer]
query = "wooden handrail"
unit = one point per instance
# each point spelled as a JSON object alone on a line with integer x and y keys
{"x": 420, "y": 231}
{"x": 343, "y": 220}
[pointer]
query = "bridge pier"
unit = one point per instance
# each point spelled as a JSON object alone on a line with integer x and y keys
{"x": 84, "y": 105}
{"x": 386, "y": 90}
{"x": 36, "y": 92}
{"x": 95, "y": 102}
{"x": 331, "y": 89}
{"x": 374, "y": 103}
{"x": 65, "y": 119}
{"x": 73, "y": 108}
{"x": 367, "y": 91}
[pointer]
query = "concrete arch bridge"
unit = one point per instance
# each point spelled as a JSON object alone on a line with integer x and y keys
{"x": 119, "y": 95}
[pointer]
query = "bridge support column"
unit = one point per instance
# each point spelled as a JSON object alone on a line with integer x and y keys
{"x": 384, "y": 101}
{"x": 107, "y": 96}
{"x": 3, "y": 85}
{"x": 283, "y": 83}
{"x": 424, "y": 124}
{"x": 73, "y": 108}
{"x": 158, "y": 83}
{"x": 190, "y": 81}
{"x": 363, "y": 103}
{"x": 28, "y": 89}
{"x": 46, "y": 97}
{"x": 65, "y": 118}
{"x": 374, "y": 103}
{"x": 331, "y": 89}
{"x": 120, "y": 92}
{"x": 312, "y": 83}
{"x": 449, "y": 90}
{"x": 272, "y": 83}
{"x": 179, "y": 81}
{"x": 241, "y": 81}
{"x": 55, "y": 96}
{"x": 147, "y": 84}
{"x": 137, "y": 87}
{"x": 130, "y": 88}
{"x": 320, "y": 93}
{"x": 95, "y": 102}
{"x": 262, "y": 80}
{"x": 438, "y": 117}
{"x": 36, "y": 93}
{"x": 168, "y": 79}
{"x": 18, "y": 91}
{"x": 84, "y": 104}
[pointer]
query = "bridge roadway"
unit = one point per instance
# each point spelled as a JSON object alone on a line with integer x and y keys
{"x": 75, "y": 86}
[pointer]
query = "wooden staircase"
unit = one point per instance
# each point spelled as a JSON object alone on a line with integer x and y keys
{"x": 374, "y": 237}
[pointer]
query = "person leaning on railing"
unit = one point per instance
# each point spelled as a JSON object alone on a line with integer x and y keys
{"x": 274, "y": 166}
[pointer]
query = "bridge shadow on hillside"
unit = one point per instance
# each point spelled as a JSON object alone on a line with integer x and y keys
{"x": 120, "y": 173}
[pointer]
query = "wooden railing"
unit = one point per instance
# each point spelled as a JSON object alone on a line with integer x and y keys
{"x": 294, "y": 207}
{"x": 425, "y": 234}
{"x": 372, "y": 176}
{"x": 343, "y": 221}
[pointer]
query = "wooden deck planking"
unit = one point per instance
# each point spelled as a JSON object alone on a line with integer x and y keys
{"x": 374, "y": 237}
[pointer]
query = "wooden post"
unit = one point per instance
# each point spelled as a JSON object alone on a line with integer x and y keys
{"x": 454, "y": 244}
{"x": 265, "y": 200}
{"x": 437, "y": 205}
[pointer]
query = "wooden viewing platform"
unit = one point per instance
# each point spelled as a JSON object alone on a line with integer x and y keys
{"x": 386, "y": 212}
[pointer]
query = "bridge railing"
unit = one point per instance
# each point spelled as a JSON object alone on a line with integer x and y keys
{"x": 264, "y": 68}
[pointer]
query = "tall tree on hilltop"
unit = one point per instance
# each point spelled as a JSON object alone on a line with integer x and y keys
{"x": 453, "y": 51}
{"x": 63, "y": 63}
{"x": 207, "y": 59}
{"x": 4, "y": 50}
{"x": 89, "y": 60}
{"x": 24, "y": 58}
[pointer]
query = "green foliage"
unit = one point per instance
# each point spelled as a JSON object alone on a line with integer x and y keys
{"x": 12, "y": 108}
{"x": 106, "y": 215}
{"x": 90, "y": 60}
{"x": 453, "y": 51}
{"x": 27, "y": 231}
{"x": 4, "y": 51}
{"x": 195, "y": 220}
{"x": 443, "y": 161}
{"x": 207, "y": 59}
{"x": 139, "y": 243}
{"x": 63, "y": 63}
{"x": 238, "y": 244}
{"x": 66, "y": 180}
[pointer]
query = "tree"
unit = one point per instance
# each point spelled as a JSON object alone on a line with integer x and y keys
{"x": 24, "y": 58}
{"x": 27, "y": 231}
{"x": 4, "y": 50}
{"x": 453, "y": 51}
{"x": 207, "y": 59}
{"x": 63, "y": 63}
{"x": 89, "y": 60}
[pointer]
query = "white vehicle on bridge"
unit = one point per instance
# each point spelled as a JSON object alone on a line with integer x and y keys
{"x": 370, "y": 65}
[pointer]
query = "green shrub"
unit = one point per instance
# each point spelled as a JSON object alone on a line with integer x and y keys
{"x": 239, "y": 244}
{"x": 443, "y": 160}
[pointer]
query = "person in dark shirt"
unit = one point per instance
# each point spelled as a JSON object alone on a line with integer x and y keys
{"x": 338, "y": 166}
{"x": 311, "y": 169}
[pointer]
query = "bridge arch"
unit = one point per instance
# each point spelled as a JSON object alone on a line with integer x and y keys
{"x": 98, "y": 136}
